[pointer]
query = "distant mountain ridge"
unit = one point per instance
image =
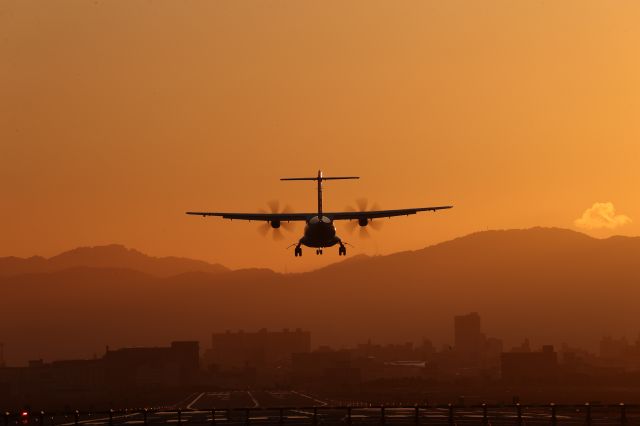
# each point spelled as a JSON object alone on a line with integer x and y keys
{"x": 550, "y": 285}
{"x": 108, "y": 256}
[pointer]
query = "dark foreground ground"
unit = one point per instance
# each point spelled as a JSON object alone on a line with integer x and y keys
{"x": 298, "y": 408}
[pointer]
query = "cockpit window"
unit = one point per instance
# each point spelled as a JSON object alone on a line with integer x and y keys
{"x": 314, "y": 220}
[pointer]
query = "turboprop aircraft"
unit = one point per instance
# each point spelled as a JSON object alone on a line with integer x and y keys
{"x": 320, "y": 231}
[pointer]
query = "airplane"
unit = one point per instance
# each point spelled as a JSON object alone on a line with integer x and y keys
{"x": 319, "y": 231}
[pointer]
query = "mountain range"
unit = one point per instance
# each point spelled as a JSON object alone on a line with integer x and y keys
{"x": 547, "y": 284}
{"x": 110, "y": 256}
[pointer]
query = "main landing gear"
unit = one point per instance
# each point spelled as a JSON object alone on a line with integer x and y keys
{"x": 342, "y": 251}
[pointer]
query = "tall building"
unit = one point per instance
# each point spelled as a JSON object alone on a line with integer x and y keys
{"x": 468, "y": 335}
{"x": 258, "y": 349}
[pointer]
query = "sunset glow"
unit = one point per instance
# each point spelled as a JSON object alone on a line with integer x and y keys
{"x": 117, "y": 117}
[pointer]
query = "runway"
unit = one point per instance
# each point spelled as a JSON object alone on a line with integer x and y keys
{"x": 252, "y": 399}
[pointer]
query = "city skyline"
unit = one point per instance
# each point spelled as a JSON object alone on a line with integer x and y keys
{"x": 468, "y": 339}
{"x": 266, "y": 360}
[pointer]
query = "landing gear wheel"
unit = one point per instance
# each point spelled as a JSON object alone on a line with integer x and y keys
{"x": 298, "y": 251}
{"x": 342, "y": 251}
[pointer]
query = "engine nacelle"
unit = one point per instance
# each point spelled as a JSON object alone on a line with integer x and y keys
{"x": 275, "y": 224}
{"x": 363, "y": 221}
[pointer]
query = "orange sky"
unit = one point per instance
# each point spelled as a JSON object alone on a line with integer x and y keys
{"x": 117, "y": 116}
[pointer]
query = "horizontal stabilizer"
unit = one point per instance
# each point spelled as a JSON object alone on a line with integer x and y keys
{"x": 322, "y": 178}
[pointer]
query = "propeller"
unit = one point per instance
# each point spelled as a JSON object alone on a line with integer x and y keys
{"x": 362, "y": 205}
{"x": 275, "y": 227}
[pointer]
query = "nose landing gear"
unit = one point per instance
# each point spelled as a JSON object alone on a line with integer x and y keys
{"x": 318, "y": 251}
{"x": 342, "y": 250}
{"x": 297, "y": 251}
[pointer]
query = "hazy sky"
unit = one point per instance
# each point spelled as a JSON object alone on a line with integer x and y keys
{"x": 118, "y": 116}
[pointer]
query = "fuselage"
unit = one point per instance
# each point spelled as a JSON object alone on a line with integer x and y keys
{"x": 319, "y": 232}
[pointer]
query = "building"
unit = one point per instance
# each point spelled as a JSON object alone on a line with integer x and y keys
{"x": 121, "y": 376}
{"x": 474, "y": 354}
{"x": 259, "y": 349}
{"x": 530, "y": 367}
{"x": 468, "y": 337}
{"x": 324, "y": 367}
{"x": 176, "y": 365}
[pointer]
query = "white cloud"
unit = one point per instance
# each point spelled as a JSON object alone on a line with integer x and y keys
{"x": 601, "y": 215}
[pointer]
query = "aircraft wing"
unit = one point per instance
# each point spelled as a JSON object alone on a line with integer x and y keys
{"x": 282, "y": 217}
{"x": 382, "y": 213}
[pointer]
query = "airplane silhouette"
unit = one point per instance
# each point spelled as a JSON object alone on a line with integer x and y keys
{"x": 320, "y": 231}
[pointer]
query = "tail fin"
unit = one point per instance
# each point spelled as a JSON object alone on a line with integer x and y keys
{"x": 319, "y": 179}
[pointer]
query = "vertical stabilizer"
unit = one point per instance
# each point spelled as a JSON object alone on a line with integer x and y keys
{"x": 319, "y": 179}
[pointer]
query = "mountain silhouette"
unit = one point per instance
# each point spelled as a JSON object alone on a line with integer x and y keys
{"x": 550, "y": 285}
{"x": 109, "y": 256}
